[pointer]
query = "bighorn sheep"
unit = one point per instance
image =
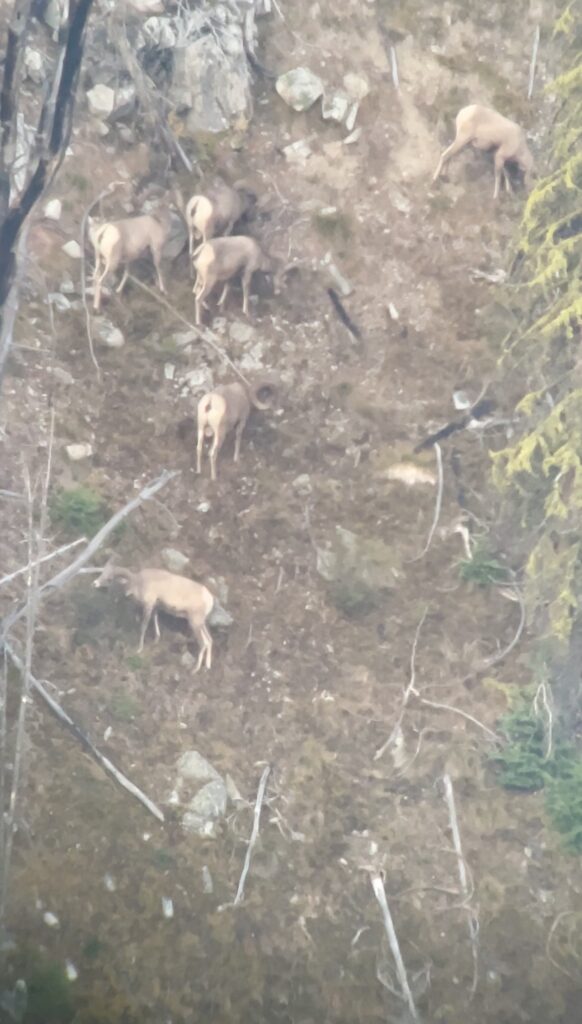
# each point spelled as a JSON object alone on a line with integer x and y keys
{"x": 215, "y": 213}
{"x": 487, "y": 129}
{"x": 121, "y": 241}
{"x": 221, "y": 260}
{"x": 156, "y": 588}
{"x": 226, "y": 408}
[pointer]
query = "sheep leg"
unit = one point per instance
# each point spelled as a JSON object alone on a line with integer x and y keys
{"x": 225, "y": 290}
{"x": 199, "y": 448}
{"x": 157, "y": 258}
{"x": 507, "y": 181}
{"x": 246, "y": 287}
{"x": 121, "y": 285}
{"x": 204, "y": 641}
{"x": 201, "y": 290}
{"x": 499, "y": 170}
{"x": 237, "y": 438}
{"x": 157, "y": 626}
{"x": 208, "y": 645}
{"x": 147, "y": 614}
{"x": 217, "y": 443}
{"x": 460, "y": 142}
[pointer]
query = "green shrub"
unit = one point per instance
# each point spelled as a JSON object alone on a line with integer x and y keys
{"x": 79, "y": 511}
{"x": 522, "y": 763}
{"x": 564, "y": 804}
{"x": 482, "y": 569}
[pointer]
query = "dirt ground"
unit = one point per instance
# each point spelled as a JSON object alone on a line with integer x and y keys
{"x": 295, "y": 683}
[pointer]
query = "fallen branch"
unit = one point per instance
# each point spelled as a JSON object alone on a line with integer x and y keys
{"x": 554, "y": 963}
{"x": 489, "y": 662}
{"x": 84, "y": 740}
{"x": 343, "y": 314}
{"x": 464, "y": 714}
{"x": 472, "y": 921}
{"x": 408, "y": 691}
{"x": 394, "y": 68}
{"x": 439, "y": 501}
{"x": 533, "y": 62}
{"x": 380, "y": 894}
{"x": 254, "y": 834}
{"x": 207, "y": 336}
{"x": 92, "y": 547}
{"x": 39, "y": 561}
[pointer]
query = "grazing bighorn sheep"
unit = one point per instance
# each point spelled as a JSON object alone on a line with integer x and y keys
{"x": 487, "y": 129}
{"x": 226, "y": 408}
{"x": 215, "y": 213}
{"x": 223, "y": 258}
{"x": 122, "y": 241}
{"x": 156, "y": 588}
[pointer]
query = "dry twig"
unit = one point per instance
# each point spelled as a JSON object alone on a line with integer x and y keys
{"x": 472, "y": 921}
{"x": 406, "y": 994}
{"x": 410, "y": 689}
{"x": 439, "y": 501}
{"x": 254, "y": 834}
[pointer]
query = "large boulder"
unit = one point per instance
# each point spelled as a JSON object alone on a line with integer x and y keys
{"x": 211, "y": 84}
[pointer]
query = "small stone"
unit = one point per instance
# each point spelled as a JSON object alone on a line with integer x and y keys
{"x": 234, "y": 794}
{"x": 169, "y": 371}
{"x": 34, "y": 65}
{"x": 53, "y": 15}
{"x": 240, "y": 332}
{"x": 63, "y": 376}
{"x": 299, "y": 88}
{"x": 198, "y": 380}
{"x": 353, "y": 137}
{"x": 219, "y": 617}
{"x": 335, "y": 107}
{"x": 342, "y": 283}
{"x": 59, "y": 301}
{"x": 67, "y": 286}
{"x": 108, "y": 333}
{"x": 53, "y": 209}
{"x": 203, "y": 507}
{"x": 351, "y": 118}
{"x": 72, "y": 249}
{"x": 71, "y": 971}
{"x": 297, "y": 152}
{"x": 50, "y": 919}
{"x": 394, "y": 314}
{"x": 205, "y": 808}
{"x": 356, "y": 86}
{"x": 302, "y": 484}
{"x": 148, "y": 7}
{"x": 174, "y": 560}
{"x": 109, "y": 882}
{"x": 76, "y": 452}
{"x": 194, "y": 767}
{"x": 101, "y": 100}
{"x": 207, "y": 883}
{"x": 167, "y": 907}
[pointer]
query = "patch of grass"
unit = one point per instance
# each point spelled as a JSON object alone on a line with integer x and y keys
{"x": 162, "y": 859}
{"x": 333, "y": 225}
{"x": 78, "y": 511}
{"x": 79, "y": 182}
{"x": 49, "y": 996}
{"x": 353, "y": 598}
{"x": 483, "y": 569}
{"x": 135, "y": 662}
{"x": 123, "y": 707}
{"x": 564, "y": 804}
{"x": 93, "y": 948}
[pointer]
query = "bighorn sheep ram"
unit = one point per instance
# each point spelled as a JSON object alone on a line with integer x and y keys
{"x": 226, "y": 408}
{"x": 215, "y": 213}
{"x": 156, "y": 588}
{"x": 487, "y": 129}
{"x": 224, "y": 258}
{"x": 121, "y": 241}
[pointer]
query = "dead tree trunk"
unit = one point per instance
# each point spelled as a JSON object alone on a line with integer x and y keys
{"x": 52, "y": 137}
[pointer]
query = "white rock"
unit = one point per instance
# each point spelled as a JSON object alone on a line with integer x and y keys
{"x": 109, "y": 882}
{"x": 76, "y": 452}
{"x": 59, "y": 301}
{"x": 108, "y": 333}
{"x": 50, "y": 919}
{"x": 63, "y": 376}
{"x": 34, "y": 65}
{"x": 198, "y": 379}
{"x": 352, "y": 114}
{"x": 169, "y": 371}
{"x": 159, "y": 31}
{"x": 53, "y": 209}
{"x": 167, "y": 907}
{"x": 72, "y": 249}
{"x": 297, "y": 152}
{"x": 71, "y": 971}
{"x": 240, "y": 332}
{"x": 299, "y": 88}
{"x": 334, "y": 107}
{"x": 101, "y": 100}
{"x": 192, "y": 766}
{"x": 353, "y": 137}
{"x": 302, "y": 484}
{"x": 174, "y": 560}
{"x": 356, "y": 86}
{"x": 67, "y": 286}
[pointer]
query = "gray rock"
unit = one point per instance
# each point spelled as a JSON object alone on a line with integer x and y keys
{"x": 59, "y": 301}
{"x": 302, "y": 484}
{"x": 184, "y": 338}
{"x": 193, "y": 767}
{"x": 53, "y": 14}
{"x": 34, "y": 66}
{"x": 300, "y": 88}
{"x": 67, "y": 286}
{"x": 53, "y": 209}
{"x": 253, "y": 360}
{"x": 124, "y": 103}
{"x": 359, "y": 569}
{"x": 340, "y": 281}
{"x": 205, "y": 809}
{"x": 101, "y": 99}
{"x": 198, "y": 380}
{"x": 211, "y": 82}
{"x": 351, "y": 118}
{"x": 335, "y": 106}
{"x": 63, "y": 376}
{"x": 108, "y": 333}
{"x": 169, "y": 371}
{"x": 72, "y": 249}
{"x": 240, "y": 332}
{"x": 219, "y": 617}
{"x": 356, "y": 86}
{"x": 159, "y": 32}
{"x": 297, "y": 152}
{"x": 77, "y": 452}
{"x": 207, "y": 883}
{"x": 174, "y": 560}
